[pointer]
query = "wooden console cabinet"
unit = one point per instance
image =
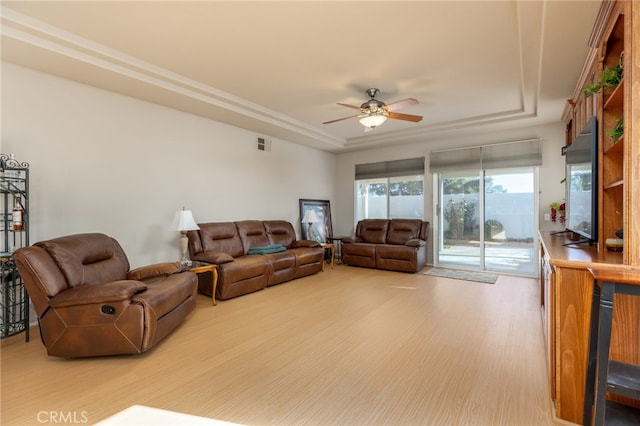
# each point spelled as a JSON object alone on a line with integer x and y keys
{"x": 567, "y": 288}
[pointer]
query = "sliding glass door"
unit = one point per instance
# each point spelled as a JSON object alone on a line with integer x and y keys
{"x": 510, "y": 221}
{"x": 458, "y": 217}
{"x": 487, "y": 220}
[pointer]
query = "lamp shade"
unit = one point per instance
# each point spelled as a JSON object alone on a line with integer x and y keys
{"x": 310, "y": 216}
{"x": 373, "y": 120}
{"x": 183, "y": 221}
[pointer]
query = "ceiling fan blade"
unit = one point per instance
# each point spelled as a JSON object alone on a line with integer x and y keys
{"x": 349, "y": 106}
{"x": 401, "y": 104}
{"x": 340, "y": 119}
{"x": 405, "y": 117}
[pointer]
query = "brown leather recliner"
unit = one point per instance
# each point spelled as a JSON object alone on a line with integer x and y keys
{"x": 228, "y": 246}
{"x": 391, "y": 244}
{"x": 89, "y": 303}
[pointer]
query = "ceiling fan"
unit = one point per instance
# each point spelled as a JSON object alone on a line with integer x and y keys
{"x": 374, "y": 112}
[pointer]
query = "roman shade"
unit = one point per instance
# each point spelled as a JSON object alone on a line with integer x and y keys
{"x": 496, "y": 156}
{"x": 384, "y": 169}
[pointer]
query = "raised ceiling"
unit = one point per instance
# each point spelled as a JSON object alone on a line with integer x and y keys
{"x": 278, "y": 68}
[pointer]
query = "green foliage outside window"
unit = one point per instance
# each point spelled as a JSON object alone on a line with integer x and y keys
{"x": 460, "y": 217}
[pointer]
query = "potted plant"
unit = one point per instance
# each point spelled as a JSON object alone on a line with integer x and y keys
{"x": 558, "y": 212}
{"x": 610, "y": 77}
{"x": 617, "y": 131}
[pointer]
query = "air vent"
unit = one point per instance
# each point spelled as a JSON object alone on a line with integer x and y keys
{"x": 263, "y": 144}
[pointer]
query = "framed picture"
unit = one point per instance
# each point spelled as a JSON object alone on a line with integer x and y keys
{"x": 315, "y": 220}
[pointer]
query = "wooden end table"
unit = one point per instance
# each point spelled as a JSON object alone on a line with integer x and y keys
{"x": 207, "y": 278}
{"x": 327, "y": 246}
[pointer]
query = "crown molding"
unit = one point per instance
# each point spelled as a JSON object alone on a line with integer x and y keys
{"x": 40, "y": 35}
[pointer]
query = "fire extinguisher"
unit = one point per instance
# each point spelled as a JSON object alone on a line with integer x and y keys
{"x": 18, "y": 216}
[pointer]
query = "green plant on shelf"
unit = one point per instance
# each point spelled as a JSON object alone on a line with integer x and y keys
{"x": 617, "y": 131}
{"x": 610, "y": 77}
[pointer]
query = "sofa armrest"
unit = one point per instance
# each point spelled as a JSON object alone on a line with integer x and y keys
{"x": 156, "y": 270}
{"x": 215, "y": 257}
{"x": 305, "y": 243}
{"x": 353, "y": 239}
{"x": 415, "y": 243}
{"x": 97, "y": 293}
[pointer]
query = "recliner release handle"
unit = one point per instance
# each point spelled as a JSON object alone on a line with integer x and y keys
{"x": 109, "y": 310}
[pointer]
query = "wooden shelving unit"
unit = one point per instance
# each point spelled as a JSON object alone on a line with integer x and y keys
{"x": 565, "y": 280}
{"x": 614, "y": 42}
{"x": 611, "y": 212}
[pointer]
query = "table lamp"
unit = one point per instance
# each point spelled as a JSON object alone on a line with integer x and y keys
{"x": 310, "y": 217}
{"x": 183, "y": 222}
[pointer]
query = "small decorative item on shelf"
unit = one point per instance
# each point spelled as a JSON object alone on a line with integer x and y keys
{"x": 610, "y": 77}
{"x": 557, "y": 212}
{"x": 614, "y": 244}
{"x": 617, "y": 131}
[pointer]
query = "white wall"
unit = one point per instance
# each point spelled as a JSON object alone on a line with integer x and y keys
{"x": 103, "y": 162}
{"x": 550, "y": 176}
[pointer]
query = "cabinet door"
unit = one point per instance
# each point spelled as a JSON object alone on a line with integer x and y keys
{"x": 547, "y": 288}
{"x": 572, "y": 306}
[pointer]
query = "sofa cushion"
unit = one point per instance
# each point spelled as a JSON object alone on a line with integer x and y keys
{"x": 304, "y": 243}
{"x": 280, "y": 232}
{"x": 104, "y": 293}
{"x": 308, "y": 260}
{"x": 244, "y": 275}
{"x": 373, "y": 231}
{"x": 252, "y": 234}
{"x": 416, "y": 243}
{"x": 88, "y": 258}
{"x": 359, "y": 254}
{"x": 283, "y": 267}
{"x": 308, "y": 255}
{"x": 401, "y": 258}
{"x": 221, "y": 237}
{"x": 165, "y": 295}
{"x": 156, "y": 270}
{"x": 214, "y": 257}
{"x": 402, "y": 230}
{"x": 244, "y": 267}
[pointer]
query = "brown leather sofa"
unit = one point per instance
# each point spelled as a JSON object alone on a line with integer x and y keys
{"x": 227, "y": 245}
{"x": 89, "y": 303}
{"x": 392, "y": 244}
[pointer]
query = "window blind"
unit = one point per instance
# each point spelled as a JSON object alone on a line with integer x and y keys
{"x": 455, "y": 159}
{"x": 408, "y": 167}
{"x": 496, "y": 156}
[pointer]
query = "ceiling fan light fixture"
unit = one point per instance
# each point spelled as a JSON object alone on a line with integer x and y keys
{"x": 373, "y": 120}
{"x": 374, "y": 113}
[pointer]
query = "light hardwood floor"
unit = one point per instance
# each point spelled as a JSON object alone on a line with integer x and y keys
{"x": 345, "y": 346}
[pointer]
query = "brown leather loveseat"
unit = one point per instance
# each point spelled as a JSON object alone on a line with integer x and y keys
{"x": 230, "y": 246}
{"x": 89, "y": 303}
{"x": 393, "y": 244}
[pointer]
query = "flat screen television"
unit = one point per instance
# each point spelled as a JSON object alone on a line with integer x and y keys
{"x": 582, "y": 185}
